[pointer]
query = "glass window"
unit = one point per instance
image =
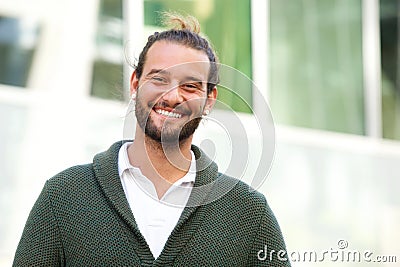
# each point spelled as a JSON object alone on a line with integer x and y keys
{"x": 18, "y": 41}
{"x": 226, "y": 23}
{"x": 316, "y": 64}
{"x": 107, "y": 77}
{"x": 390, "y": 58}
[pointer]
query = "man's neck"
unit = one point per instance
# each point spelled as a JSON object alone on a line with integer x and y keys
{"x": 162, "y": 164}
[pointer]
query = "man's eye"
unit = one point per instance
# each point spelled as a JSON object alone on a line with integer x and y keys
{"x": 158, "y": 79}
{"x": 190, "y": 86}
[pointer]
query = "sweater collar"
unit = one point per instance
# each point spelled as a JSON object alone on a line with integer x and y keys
{"x": 105, "y": 166}
{"x": 124, "y": 164}
{"x": 106, "y": 170}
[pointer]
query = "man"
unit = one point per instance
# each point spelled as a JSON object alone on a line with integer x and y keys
{"x": 157, "y": 200}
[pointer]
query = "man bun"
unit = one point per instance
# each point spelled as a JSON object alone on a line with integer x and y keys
{"x": 176, "y": 21}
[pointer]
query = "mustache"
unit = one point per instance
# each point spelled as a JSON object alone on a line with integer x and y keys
{"x": 178, "y": 108}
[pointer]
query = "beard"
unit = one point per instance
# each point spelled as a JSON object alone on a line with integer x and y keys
{"x": 170, "y": 132}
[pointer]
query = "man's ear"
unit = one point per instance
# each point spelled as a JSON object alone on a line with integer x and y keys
{"x": 134, "y": 83}
{"x": 211, "y": 99}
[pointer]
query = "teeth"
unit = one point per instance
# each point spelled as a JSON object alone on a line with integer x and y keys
{"x": 168, "y": 114}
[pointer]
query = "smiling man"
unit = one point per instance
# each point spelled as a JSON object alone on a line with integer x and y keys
{"x": 157, "y": 200}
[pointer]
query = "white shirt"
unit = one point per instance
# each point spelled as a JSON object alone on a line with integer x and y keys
{"x": 156, "y": 218}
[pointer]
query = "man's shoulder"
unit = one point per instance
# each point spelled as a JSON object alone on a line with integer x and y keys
{"x": 240, "y": 193}
{"x": 71, "y": 176}
{"x": 244, "y": 202}
{"x": 103, "y": 162}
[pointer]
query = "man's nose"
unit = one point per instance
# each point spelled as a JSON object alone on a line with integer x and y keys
{"x": 173, "y": 96}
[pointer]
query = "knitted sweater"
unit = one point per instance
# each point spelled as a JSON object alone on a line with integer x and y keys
{"x": 82, "y": 218}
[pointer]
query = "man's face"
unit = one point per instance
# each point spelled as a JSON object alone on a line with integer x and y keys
{"x": 171, "y": 94}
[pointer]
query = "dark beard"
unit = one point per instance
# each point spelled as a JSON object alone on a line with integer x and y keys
{"x": 167, "y": 134}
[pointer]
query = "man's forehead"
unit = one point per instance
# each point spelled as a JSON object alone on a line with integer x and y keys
{"x": 174, "y": 57}
{"x": 186, "y": 71}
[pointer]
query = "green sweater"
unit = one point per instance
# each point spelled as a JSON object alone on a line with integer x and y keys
{"x": 82, "y": 218}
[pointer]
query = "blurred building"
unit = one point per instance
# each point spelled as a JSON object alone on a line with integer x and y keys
{"x": 328, "y": 69}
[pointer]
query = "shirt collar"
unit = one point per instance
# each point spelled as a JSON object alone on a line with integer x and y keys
{"x": 124, "y": 164}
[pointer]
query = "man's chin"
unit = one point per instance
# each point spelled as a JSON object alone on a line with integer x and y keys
{"x": 169, "y": 139}
{"x": 171, "y": 136}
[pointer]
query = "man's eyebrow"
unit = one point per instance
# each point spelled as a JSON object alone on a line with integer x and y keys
{"x": 161, "y": 71}
{"x": 192, "y": 78}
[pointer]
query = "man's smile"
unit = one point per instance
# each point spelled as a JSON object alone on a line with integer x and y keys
{"x": 166, "y": 113}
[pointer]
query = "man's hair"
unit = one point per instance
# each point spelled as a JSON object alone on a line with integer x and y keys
{"x": 184, "y": 30}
